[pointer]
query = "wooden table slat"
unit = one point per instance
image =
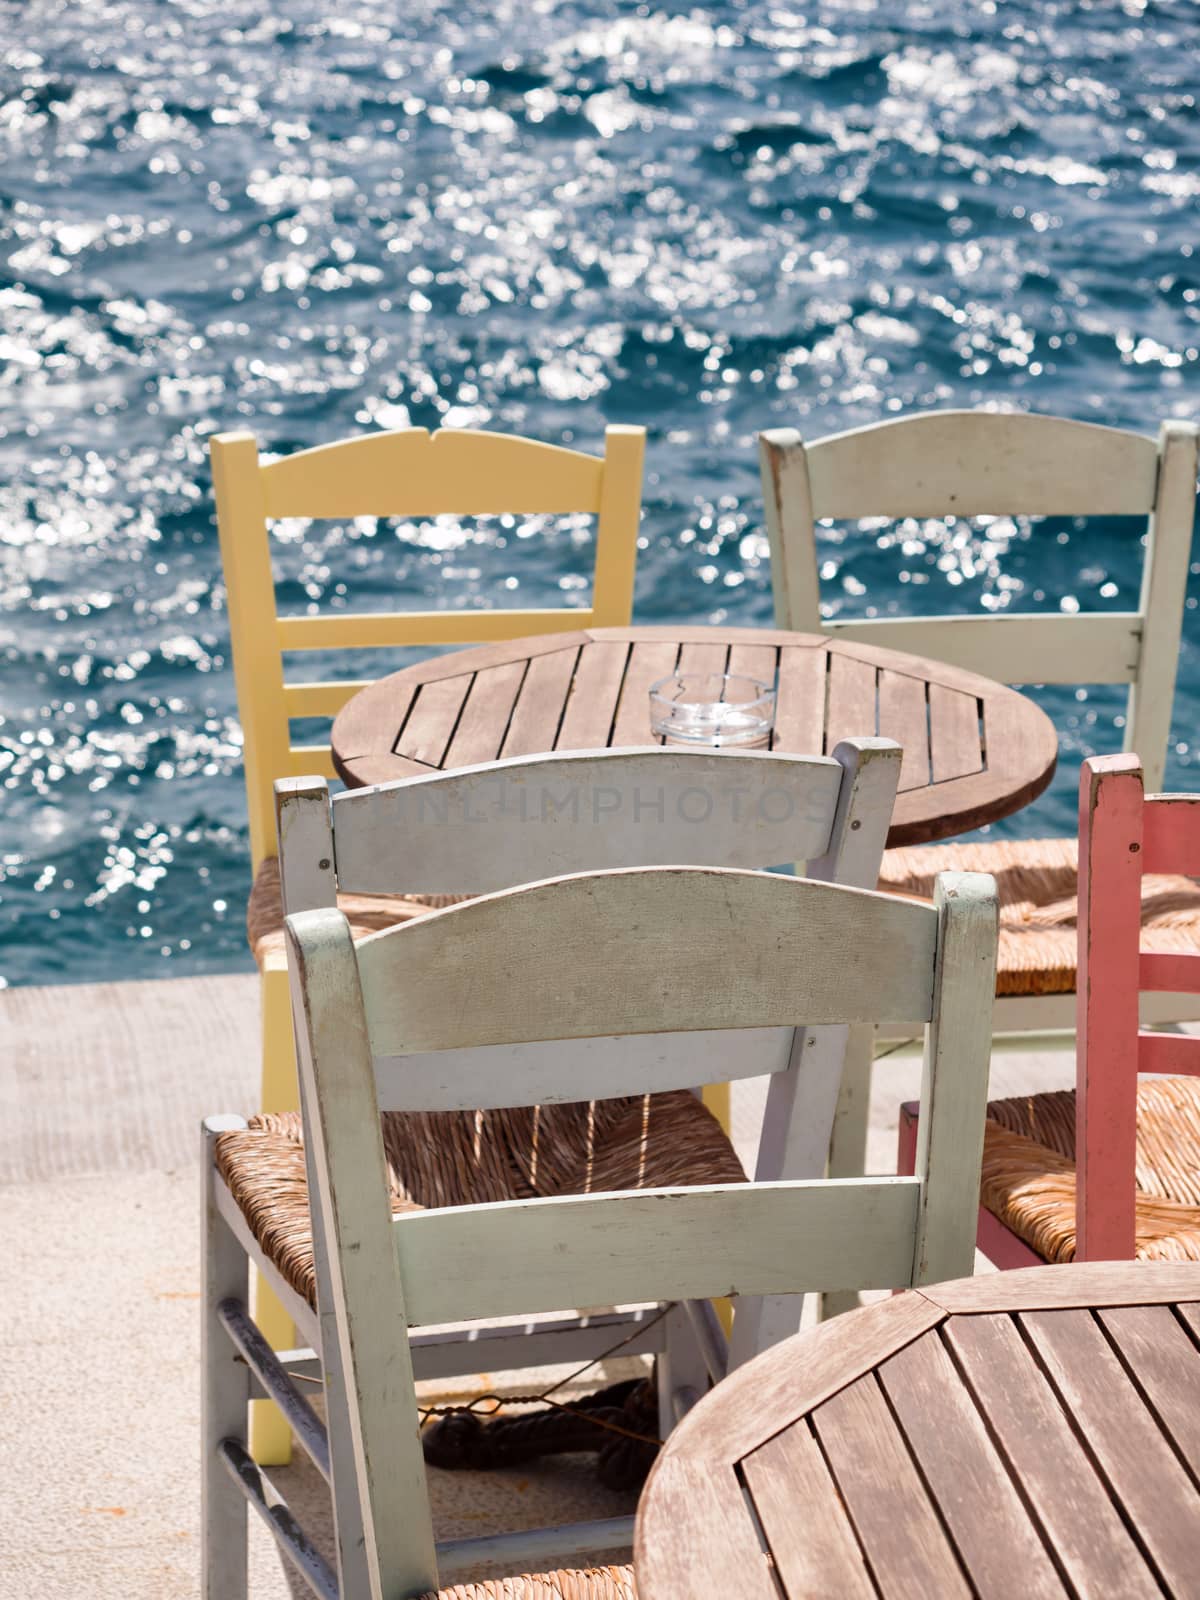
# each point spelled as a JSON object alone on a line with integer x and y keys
{"x": 1123, "y": 1434}
{"x": 904, "y": 713}
{"x": 800, "y": 701}
{"x": 893, "y": 1517}
{"x": 1156, "y": 1347}
{"x": 853, "y": 708}
{"x": 588, "y": 719}
{"x": 647, "y": 664}
{"x": 539, "y": 708}
{"x": 955, "y": 749}
{"x": 1051, "y": 1288}
{"x": 968, "y": 1479}
{"x": 1045, "y": 1457}
{"x": 818, "y": 1553}
{"x": 763, "y": 1396}
{"x": 484, "y": 720}
{"x": 666, "y": 1553}
{"x": 432, "y": 720}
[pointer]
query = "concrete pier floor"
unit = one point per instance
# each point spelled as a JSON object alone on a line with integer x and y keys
{"x": 102, "y": 1088}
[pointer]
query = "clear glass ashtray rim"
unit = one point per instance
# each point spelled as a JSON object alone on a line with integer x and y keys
{"x": 687, "y": 718}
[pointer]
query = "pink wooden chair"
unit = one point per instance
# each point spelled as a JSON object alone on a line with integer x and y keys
{"x": 1110, "y": 1170}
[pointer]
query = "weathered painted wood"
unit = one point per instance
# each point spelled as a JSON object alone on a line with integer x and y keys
{"x": 305, "y": 832}
{"x": 226, "y": 1390}
{"x": 533, "y": 1549}
{"x": 1171, "y": 833}
{"x": 260, "y": 1493}
{"x": 1164, "y": 590}
{"x": 1110, "y": 919}
{"x": 276, "y": 1382}
{"x": 955, "y": 1077}
{"x": 348, "y": 1162}
{"x": 976, "y": 463}
{"x": 1014, "y": 647}
{"x": 676, "y": 1244}
{"x": 477, "y": 829}
{"x": 521, "y": 965}
{"x": 554, "y": 1071}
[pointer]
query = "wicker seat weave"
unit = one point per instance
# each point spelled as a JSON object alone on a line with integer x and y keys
{"x": 1029, "y": 1170}
{"x": 450, "y": 1158}
{"x": 1038, "y": 884}
{"x": 590, "y": 1583}
{"x": 366, "y": 913}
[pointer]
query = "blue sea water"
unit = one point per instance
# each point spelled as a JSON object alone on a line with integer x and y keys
{"x": 316, "y": 219}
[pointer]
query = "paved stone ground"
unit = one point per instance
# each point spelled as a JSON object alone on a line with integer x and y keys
{"x": 101, "y": 1092}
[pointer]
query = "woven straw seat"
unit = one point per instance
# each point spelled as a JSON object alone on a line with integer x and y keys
{"x": 1038, "y": 884}
{"x": 590, "y": 1583}
{"x": 449, "y": 1158}
{"x": 1029, "y": 1170}
{"x": 366, "y": 913}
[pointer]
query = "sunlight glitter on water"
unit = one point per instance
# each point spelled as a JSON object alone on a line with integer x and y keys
{"x": 535, "y": 218}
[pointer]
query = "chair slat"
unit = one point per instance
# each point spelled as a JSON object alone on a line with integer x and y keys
{"x": 1169, "y": 973}
{"x": 676, "y": 1244}
{"x": 1171, "y": 834}
{"x": 376, "y": 631}
{"x": 1103, "y": 648}
{"x": 320, "y": 699}
{"x": 555, "y": 1071}
{"x": 1164, "y": 1053}
{"x": 521, "y": 965}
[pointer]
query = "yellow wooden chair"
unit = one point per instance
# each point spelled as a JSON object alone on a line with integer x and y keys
{"x": 412, "y": 473}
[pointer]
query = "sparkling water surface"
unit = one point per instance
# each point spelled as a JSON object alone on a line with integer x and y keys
{"x": 315, "y": 220}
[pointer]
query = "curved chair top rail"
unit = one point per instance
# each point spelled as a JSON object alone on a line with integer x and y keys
{"x": 631, "y": 952}
{"x": 976, "y": 463}
{"x": 413, "y": 472}
{"x": 487, "y": 827}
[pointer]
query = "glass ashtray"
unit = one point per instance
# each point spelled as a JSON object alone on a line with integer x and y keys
{"x": 712, "y": 708}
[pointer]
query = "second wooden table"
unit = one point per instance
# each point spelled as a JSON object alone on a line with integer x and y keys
{"x": 974, "y": 750}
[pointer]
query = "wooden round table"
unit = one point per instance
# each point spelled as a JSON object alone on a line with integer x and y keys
{"x": 973, "y": 749}
{"x": 1032, "y": 1433}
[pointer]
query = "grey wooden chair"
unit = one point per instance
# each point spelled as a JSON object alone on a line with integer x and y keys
{"x": 455, "y": 1010}
{"x": 485, "y": 828}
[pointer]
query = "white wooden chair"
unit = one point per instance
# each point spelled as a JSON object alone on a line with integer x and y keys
{"x": 974, "y": 463}
{"x": 644, "y": 979}
{"x": 490, "y": 827}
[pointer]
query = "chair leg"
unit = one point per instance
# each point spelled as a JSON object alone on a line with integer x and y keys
{"x": 270, "y": 1436}
{"x": 226, "y": 1394}
{"x": 681, "y": 1369}
{"x": 848, "y": 1146}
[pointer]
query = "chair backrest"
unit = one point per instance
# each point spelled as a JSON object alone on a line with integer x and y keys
{"x": 676, "y": 949}
{"x": 1123, "y": 834}
{"x": 476, "y": 829}
{"x": 486, "y": 828}
{"x": 976, "y": 463}
{"x": 412, "y": 473}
